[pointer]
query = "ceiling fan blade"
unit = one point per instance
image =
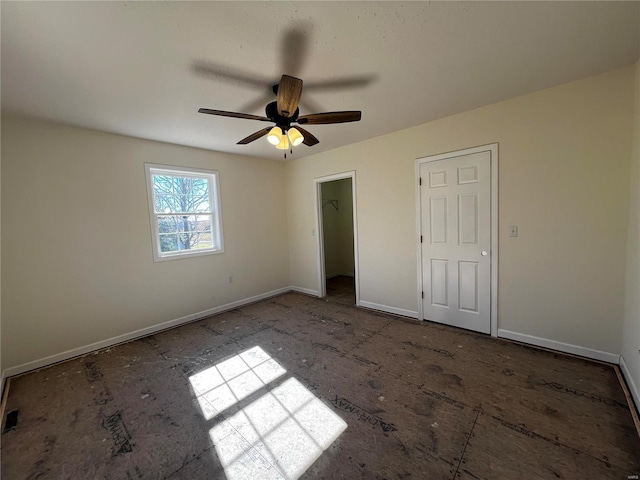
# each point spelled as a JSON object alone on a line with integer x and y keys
{"x": 257, "y": 103}
{"x": 330, "y": 117}
{"x": 295, "y": 47}
{"x": 222, "y": 113}
{"x": 232, "y": 74}
{"x": 255, "y": 136}
{"x": 289, "y": 92}
{"x": 309, "y": 139}
{"x": 354, "y": 81}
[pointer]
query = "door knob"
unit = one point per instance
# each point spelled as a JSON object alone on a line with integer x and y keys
{"x": 484, "y": 253}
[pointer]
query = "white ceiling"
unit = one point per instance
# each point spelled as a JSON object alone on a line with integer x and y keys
{"x": 144, "y": 68}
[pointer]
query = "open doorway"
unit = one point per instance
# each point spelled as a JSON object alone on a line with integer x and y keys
{"x": 337, "y": 238}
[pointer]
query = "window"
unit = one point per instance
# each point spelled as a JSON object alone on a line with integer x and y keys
{"x": 184, "y": 207}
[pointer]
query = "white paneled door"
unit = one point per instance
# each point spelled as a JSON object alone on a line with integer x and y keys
{"x": 455, "y": 213}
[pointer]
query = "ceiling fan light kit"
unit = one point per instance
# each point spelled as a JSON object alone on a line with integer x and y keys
{"x": 274, "y": 136}
{"x": 295, "y": 137}
{"x": 283, "y": 112}
{"x": 281, "y": 140}
{"x": 284, "y": 143}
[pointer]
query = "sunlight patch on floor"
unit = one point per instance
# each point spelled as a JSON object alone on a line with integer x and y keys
{"x": 277, "y": 436}
{"x": 225, "y": 384}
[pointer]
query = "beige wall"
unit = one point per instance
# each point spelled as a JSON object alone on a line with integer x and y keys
{"x": 337, "y": 225}
{"x": 563, "y": 179}
{"x": 631, "y": 327}
{"x": 77, "y": 265}
{"x": 1, "y": 370}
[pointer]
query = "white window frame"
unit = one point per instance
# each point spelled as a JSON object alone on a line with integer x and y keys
{"x": 212, "y": 177}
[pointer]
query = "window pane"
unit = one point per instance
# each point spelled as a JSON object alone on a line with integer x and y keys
{"x": 180, "y": 194}
{"x": 168, "y": 224}
{"x": 164, "y": 202}
{"x": 168, "y": 243}
{"x": 192, "y": 202}
{"x": 185, "y": 232}
{"x": 162, "y": 184}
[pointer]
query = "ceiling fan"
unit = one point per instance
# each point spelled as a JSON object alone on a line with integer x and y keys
{"x": 284, "y": 112}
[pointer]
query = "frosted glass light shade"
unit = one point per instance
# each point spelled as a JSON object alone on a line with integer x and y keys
{"x": 295, "y": 137}
{"x": 274, "y": 136}
{"x": 284, "y": 143}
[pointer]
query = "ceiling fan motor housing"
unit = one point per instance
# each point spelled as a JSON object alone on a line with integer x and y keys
{"x": 284, "y": 123}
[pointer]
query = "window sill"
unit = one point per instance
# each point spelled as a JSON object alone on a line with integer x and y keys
{"x": 186, "y": 254}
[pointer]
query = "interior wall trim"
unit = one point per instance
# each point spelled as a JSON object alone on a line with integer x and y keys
{"x": 110, "y": 342}
{"x": 388, "y": 309}
{"x": 633, "y": 388}
{"x": 306, "y": 291}
{"x": 136, "y": 334}
{"x": 560, "y": 346}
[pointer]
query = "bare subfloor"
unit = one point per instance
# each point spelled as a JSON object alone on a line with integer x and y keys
{"x": 298, "y": 384}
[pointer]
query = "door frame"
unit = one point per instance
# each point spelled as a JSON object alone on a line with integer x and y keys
{"x": 492, "y": 148}
{"x": 317, "y": 183}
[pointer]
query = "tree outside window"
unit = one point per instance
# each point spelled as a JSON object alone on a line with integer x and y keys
{"x": 184, "y": 210}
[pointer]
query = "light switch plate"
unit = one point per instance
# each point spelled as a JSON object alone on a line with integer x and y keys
{"x": 513, "y": 230}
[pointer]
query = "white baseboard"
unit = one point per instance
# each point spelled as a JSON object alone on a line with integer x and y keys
{"x": 307, "y": 291}
{"x": 143, "y": 332}
{"x": 387, "y": 309}
{"x": 633, "y": 388}
{"x": 561, "y": 347}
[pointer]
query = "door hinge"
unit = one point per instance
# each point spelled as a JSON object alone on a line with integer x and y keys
{"x": 420, "y": 181}
{"x": 420, "y": 238}
{"x": 422, "y": 294}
